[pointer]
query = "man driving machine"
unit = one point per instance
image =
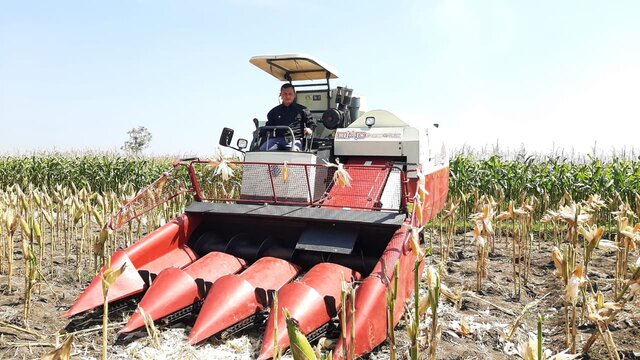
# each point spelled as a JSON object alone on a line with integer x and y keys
{"x": 288, "y": 113}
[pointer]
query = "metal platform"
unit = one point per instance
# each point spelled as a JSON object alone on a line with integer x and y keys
{"x": 300, "y": 213}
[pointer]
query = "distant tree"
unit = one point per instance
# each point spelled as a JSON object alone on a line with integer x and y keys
{"x": 139, "y": 139}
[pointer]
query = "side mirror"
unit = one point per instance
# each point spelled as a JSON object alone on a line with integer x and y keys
{"x": 242, "y": 144}
{"x": 226, "y": 136}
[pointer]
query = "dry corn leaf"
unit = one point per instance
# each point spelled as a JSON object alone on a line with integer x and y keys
{"x": 109, "y": 277}
{"x": 465, "y": 329}
{"x": 150, "y": 326}
{"x": 529, "y": 349}
{"x": 61, "y": 353}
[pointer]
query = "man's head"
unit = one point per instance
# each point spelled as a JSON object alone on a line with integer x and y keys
{"x": 287, "y": 94}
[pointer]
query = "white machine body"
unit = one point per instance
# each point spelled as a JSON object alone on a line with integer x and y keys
{"x": 391, "y": 136}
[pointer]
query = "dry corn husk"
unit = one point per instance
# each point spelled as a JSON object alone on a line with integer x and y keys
{"x": 568, "y": 214}
{"x": 453, "y": 208}
{"x": 222, "y": 166}
{"x": 452, "y": 296}
{"x": 506, "y": 215}
{"x": 632, "y": 233}
{"x": 599, "y": 310}
{"x": 421, "y": 192}
{"x": 576, "y": 280}
{"x": 465, "y": 329}
{"x": 433, "y": 281}
{"x": 25, "y": 227}
{"x": 481, "y": 242}
{"x": 558, "y": 261}
{"x": 529, "y": 349}
{"x": 624, "y": 210}
{"x": 594, "y": 202}
{"x": 417, "y": 208}
{"x": 414, "y": 240}
{"x": 61, "y": 353}
{"x": 484, "y": 218}
{"x": 12, "y": 220}
{"x": 547, "y": 217}
{"x": 341, "y": 176}
{"x": 592, "y": 234}
{"x": 285, "y": 172}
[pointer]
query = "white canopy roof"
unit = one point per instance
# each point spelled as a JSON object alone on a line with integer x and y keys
{"x": 292, "y": 67}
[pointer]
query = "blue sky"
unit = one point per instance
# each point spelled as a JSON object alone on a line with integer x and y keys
{"x": 77, "y": 75}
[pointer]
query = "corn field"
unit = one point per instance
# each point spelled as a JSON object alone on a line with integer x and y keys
{"x": 99, "y": 172}
{"x": 525, "y": 213}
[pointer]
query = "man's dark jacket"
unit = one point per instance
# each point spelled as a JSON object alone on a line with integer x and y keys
{"x": 295, "y": 116}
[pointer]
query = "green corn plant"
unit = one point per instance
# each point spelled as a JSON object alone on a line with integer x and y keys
{"x": 540, "y": 321}
{"x": 413, "y": 322}
{"x": 392, "y": 294}
{"x": 301, "y": 349}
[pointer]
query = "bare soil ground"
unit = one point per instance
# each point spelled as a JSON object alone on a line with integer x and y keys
{"x": 490, "y": 314}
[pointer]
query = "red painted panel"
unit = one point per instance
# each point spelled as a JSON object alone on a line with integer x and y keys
{"x": 367, "y": 184}
{"x": 371, "y": 297}
{"x": 174, "y": 289}
{"x": 312, "y": 301}
{"x": 235, "y": 297}
{"x": 156, "y": 251}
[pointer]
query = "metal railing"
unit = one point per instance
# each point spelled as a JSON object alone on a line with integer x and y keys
{"x": 374, "y": 187}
